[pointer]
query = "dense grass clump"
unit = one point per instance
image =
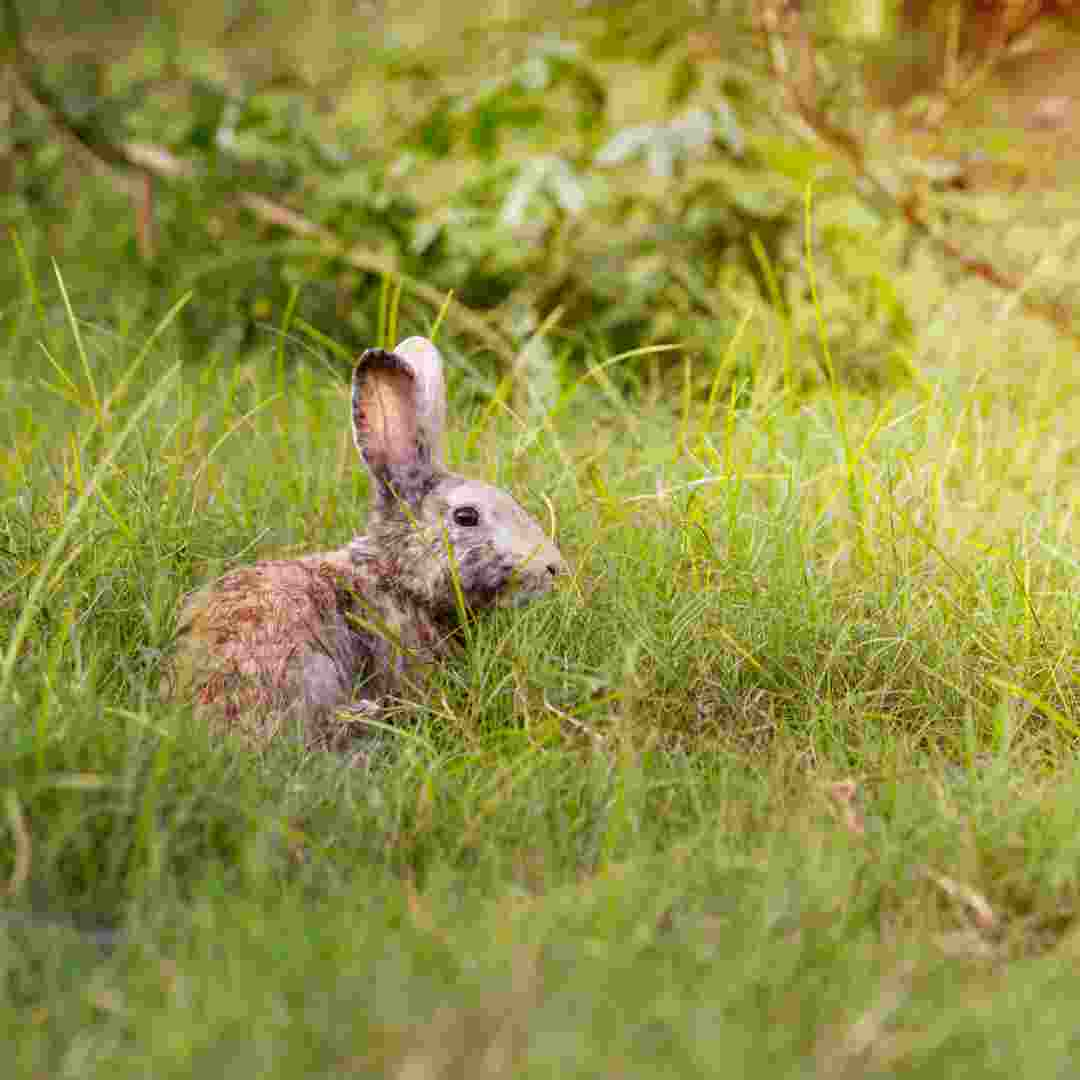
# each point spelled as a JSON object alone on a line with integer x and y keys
{"x": 783, "y": 781}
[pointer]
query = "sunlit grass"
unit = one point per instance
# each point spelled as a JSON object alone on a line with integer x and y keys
{"x": 619, "y": 834}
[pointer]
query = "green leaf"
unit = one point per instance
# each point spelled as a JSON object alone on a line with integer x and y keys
{"x": 685, "y": 80}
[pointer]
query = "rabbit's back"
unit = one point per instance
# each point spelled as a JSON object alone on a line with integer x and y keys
{"x": 270, "y": 642}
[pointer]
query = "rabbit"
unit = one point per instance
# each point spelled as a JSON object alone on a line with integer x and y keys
{"x": 305, "y": 644}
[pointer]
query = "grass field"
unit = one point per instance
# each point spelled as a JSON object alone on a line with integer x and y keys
{"x": 782, "y": 783}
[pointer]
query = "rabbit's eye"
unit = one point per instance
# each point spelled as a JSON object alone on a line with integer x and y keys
{"x": 467, "y": 516}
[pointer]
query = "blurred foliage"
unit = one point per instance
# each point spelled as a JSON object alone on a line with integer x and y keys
{"x": 612, "y": 172}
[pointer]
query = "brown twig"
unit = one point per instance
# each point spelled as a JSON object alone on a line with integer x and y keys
{"x": 785, "y": 35}
{"x": 139, "y": 163}
{"x": 20, "y": 835}
{"x": 844, "y": 797}
{"x": 160, "y": 162}
{"x": 144, "y": 218}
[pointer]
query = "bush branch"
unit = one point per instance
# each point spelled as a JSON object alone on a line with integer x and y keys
{"x": 138, "y": 163}
{"x": 792, "y": 59}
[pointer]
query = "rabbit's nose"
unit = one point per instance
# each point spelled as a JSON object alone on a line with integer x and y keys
{"x": 556, "y": 568}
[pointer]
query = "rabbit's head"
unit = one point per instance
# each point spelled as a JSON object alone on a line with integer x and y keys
{"x": 429, "y": 526}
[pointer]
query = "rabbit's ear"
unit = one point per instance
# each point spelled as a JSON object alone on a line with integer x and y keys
{"x": 384, "y": 412}
{"x": 399, "y": 405}
{"x": 426, "y": 365}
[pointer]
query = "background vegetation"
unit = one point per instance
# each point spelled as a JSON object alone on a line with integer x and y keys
{"x": 771, "y": 314}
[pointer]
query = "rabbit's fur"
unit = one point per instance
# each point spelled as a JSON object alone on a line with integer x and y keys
{"x": 300, "y": 644}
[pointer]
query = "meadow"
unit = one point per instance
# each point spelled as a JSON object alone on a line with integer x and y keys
{"x": 781, "y": 782}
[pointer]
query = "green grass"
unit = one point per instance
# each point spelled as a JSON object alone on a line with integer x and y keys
{"x": 612, "y": 840}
